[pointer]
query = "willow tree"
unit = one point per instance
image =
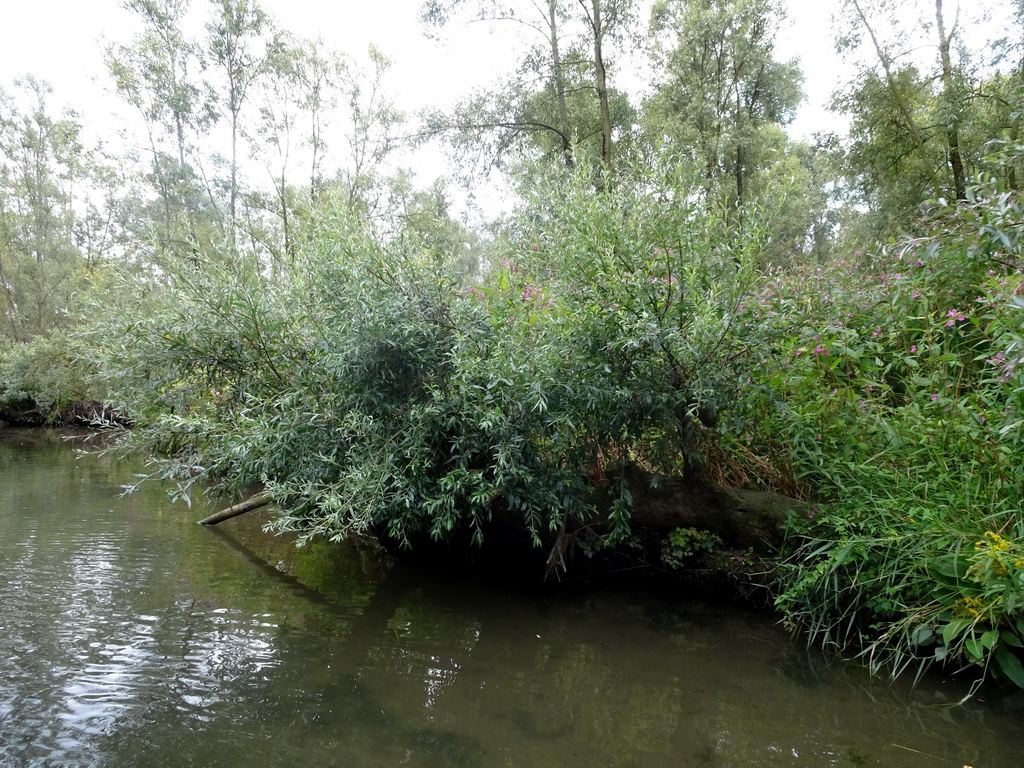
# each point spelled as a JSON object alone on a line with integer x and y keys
{"x": 240, "y": 42}
{"x": 43, "y": 167}
{"x": 721, "y": 92}
{"x": 158, "y": 74}
{"x": 916, "y": 100}
{"x": 560, "y": 101}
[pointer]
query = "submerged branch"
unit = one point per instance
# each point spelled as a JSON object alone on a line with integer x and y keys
{"x": 253, "y": 502}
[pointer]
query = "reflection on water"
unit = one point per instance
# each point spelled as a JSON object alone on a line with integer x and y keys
{"x": 131, "y": 636}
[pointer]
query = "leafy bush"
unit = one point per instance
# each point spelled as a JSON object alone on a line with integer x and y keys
{"x": 368, "y": 390}
{"x": 682, "y": 543}
{"x": 892, "y": 381}
{"x": 42, "y": 376}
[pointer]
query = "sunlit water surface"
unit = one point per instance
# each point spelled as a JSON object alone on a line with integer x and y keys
{"x": 130, "y": 636}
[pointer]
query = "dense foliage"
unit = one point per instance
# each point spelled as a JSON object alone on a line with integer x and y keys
{"x": 893, "y": 382}
{"x": 370, "y": 390}
{"x": 680, "y": 287}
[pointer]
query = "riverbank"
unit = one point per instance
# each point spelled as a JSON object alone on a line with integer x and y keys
{"x": 83, "y": 412}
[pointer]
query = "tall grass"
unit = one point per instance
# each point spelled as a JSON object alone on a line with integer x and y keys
{"x": 889, "y": 382}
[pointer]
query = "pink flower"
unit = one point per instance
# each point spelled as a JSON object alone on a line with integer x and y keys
{"x": 955, "y": 316}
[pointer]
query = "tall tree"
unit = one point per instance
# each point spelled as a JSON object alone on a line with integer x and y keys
{"x": 280, "y": 104}
{"x": 240, "y": 40}
{"x": 43, "y": 171}
{"x": 369, "y": 132}
{"x": 916, "y": 104}
{"x": 157, "y": 74}
{"x": 950, "y": 101}
{"x": 1002, "y": 93}
{"x": 896, "y": 82}
{"x": 318, "y": 73}
{"x": 720, "y": 88}
{"x": 560, "y": 99}
{"x": 306, "y": 91}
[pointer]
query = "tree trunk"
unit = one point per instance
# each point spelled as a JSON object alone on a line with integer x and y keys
{"x": 956, "y": 162}
{"x": 742, "y": 519}
{"x": 558, "y": 77}
{"x": 601, "y": 84}
{"x": 746, "y": 522}
{"x": 234, "y": 173}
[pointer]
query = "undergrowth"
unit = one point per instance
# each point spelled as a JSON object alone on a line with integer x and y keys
{"x": 891, "y": 378}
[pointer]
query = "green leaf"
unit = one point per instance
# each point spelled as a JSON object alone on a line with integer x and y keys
{"x": 1009, "y": 638}
{"x": 949, "y": 566}
{"x": 954, "y": 629}
{"x": 922, "y": 634}
{"x": 990, "y": 638}
{"x": 975, "y": 651}
{"x": 839, "y": 559}
{"x": 1010, "y": 666}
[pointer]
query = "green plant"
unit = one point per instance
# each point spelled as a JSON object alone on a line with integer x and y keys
{"x": 896, "y": 405}
{"x": 43, "y": 375}
{"x": 369, "y": 391}
{"x": 682, "y": 543}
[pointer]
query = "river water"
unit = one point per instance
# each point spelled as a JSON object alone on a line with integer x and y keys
{"x": 130, "y": 636}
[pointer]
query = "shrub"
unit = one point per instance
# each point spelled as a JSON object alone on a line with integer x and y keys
{"x": 891, "y": 379}
{"x": 41, "y": 379}
{"x": 368, "y": 390}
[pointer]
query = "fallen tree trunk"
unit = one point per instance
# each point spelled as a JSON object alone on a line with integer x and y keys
{"x": 253, "y": 502}
{"x": 742, "y": 519}
{"x": 749, "y": 523}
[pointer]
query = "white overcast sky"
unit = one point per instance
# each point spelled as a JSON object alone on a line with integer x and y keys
{"x": 62, "y": 41}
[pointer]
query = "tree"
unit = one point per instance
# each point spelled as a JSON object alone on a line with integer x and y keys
{"x": 281, "y": 104}
{"x": 951, "y": 102}
{"x": 722, "y": 91}
{"x": 43, "y": 169}
{"x": 157, "y": 75}
{"x": 998, "y": 110}
{"x": 370, "y": 131}
{"x": 916, "y": 103}
{"x": 424, "y": 217}
{"x": 560, "y": 99}
{"x": 318, "y": 73}
{"x": 240, "y": 42}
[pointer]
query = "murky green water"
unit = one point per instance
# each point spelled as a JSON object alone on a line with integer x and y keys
{"x": 129, "y": 636}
